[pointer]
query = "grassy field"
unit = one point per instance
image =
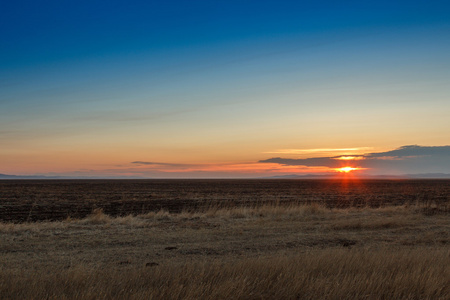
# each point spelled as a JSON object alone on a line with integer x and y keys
{"x": 269, "y": 251}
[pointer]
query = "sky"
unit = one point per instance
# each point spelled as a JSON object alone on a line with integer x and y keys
{"x": 224, "y": 89}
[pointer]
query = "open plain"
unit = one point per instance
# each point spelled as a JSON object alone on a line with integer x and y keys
{"x": 260, "y": 239}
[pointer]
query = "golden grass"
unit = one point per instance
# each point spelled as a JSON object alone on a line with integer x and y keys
{"x": 296, "y": 211}
{"x": 263, "y": 252}
{"x": 323, "y": 274}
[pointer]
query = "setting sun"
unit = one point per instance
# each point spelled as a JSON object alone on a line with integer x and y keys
{"x": 346, "y": 169}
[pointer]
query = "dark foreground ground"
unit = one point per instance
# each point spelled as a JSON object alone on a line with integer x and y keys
{"x": 38, "y": 200}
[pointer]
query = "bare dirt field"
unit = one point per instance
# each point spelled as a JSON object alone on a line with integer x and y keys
{"x": 277, "y": 240}
{"x": 37, "y": 200}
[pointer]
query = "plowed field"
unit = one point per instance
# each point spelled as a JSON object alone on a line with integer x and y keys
{"x": 36, "y": 200}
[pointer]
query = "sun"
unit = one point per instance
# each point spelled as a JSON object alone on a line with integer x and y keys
{"x": 346, "y": 169}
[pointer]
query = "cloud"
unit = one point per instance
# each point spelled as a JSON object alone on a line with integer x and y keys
{"x": 414, "y": 150}
{"x": 151, "y": 163}
{"x": 406, "y": 159}
{"x": 309, "y": 162}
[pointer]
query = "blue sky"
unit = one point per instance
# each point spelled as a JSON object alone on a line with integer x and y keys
{"x": 91, "y": 86}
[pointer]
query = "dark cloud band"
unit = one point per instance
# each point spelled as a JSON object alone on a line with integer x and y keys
{"x": 411, "y": 158}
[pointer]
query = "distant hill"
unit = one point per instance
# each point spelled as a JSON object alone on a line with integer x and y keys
{"x": 289, "y": 176}
{"x": 430, "y": 176}
{"x": 306, "y": 176}
{"x": 331, "y": 176}
{"x": 6, "y": 176}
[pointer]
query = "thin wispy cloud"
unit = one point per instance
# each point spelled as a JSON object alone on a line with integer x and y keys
{"x": 309, "y": 162}
{"x": 151, "y": 163}
{"x": 317, "y": 150}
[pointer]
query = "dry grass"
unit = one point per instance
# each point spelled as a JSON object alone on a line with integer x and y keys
{"x": 324, "y": 274}
{"x": 264, "y": 252}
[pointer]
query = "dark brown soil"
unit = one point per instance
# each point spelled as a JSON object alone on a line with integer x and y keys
{"x": 36, "y": 200}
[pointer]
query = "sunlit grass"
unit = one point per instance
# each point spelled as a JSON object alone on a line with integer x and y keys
{"x": 269, "y": 251}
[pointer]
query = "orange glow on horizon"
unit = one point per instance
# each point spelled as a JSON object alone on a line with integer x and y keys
{"x": 242, "y": 167}
{"x": 347, "y": 169}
